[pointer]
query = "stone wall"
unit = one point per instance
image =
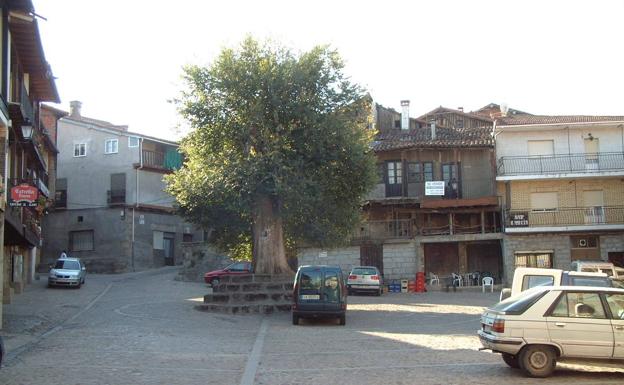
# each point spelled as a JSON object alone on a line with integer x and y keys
{"x": 400, "y": 261}
{"x": 611, "y": 243}
{"x": 345, "y": 257}
{"x": 559, "y": 244}
{"x": 199, "y": 258}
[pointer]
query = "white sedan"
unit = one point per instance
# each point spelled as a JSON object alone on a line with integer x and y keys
{"x": 544, "y": 325}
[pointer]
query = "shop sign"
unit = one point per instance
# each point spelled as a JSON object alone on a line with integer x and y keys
{"x": 23, "y": 195}
{"x": 519, "y": 220}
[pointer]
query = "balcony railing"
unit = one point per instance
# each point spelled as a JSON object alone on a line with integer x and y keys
{"x": 407, "y": 229}
{"x": 154, "y": 159}
{"x": 400, "y": 228}
{"x": 564, "y": 216}
{"x": 566, "y": 163}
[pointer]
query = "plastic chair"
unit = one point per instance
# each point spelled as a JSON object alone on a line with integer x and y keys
{"x": 487, "y": 281}
{"x": 434, "y": 278}
{"x": 457, "y": 278}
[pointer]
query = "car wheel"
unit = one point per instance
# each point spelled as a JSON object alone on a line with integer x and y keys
{"x": 295, "y": 319}
{"x": 538, "y": 360}
{"x": 343, "y": 320}
{"x": 511, "y": 360}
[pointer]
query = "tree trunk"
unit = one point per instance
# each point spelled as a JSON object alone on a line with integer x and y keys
{"x": 269, "y": 256}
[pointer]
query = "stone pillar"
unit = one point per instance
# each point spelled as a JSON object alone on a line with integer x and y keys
{"x": 32, "y": 265}
{"x": 463, "y": 257}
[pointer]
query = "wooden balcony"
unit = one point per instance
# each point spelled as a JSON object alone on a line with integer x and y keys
{"x": 409, "y": 229}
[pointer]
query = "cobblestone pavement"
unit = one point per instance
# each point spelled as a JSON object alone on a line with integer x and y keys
{"x": 142, "y": 329}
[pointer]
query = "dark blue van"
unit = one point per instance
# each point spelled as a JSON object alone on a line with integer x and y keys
{"x": 319, "y": 292}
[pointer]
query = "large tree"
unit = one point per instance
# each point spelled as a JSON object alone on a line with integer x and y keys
{"x": 279, "y": 150}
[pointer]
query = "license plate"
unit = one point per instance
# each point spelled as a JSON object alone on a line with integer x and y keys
{"x": 310, "y": 296}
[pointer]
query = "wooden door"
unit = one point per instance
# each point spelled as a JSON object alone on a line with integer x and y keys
{"x": 372, "y": 255}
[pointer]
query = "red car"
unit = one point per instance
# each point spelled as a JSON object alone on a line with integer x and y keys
{"x": 237, "y": 268}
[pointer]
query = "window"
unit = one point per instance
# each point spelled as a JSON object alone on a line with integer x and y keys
{"x": 60, "y": 195}
{"x": 117, "y": 193}
{"x": 81, "y": 240}
{"x": 535, "y": 259}
{"x": 111, "y": 146}
{"x": 530, "y": 281}
{"x": 616, "y": 305}
{"x": 419, "y": 172}
{"x": 133, "y": 141}
{"x": 80, "y": 149}
{"x": 541, "y": 147}
{"x": 450, "y": 175}
{"x": 395, "y": 173}
{"x": 428, "y": 171}
{"x": 579, "y": 305}
{"x": 544, "y": 201}
{"x": 414, "y": 172}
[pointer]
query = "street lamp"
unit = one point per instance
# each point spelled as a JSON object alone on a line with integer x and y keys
{"x": 27, "y": 131}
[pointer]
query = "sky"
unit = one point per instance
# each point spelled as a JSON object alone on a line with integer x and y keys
{"x": 123, "y": 59}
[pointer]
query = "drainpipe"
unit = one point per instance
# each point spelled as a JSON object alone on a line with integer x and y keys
{"x": 136, "y": 198}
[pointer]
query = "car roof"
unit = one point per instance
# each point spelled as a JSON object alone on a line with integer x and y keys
{"x": 576, "y": 288}
{"x": 306, "y": 267}
{"x": 69, "y": 259}
{"x": 363, "y": 267}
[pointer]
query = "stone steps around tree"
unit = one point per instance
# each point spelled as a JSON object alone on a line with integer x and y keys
{"x": 250, "y": 294}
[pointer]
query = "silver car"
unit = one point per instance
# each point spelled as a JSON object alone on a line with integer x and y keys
{"x": 67, "y": 272}
{"x": 365, "y": 278}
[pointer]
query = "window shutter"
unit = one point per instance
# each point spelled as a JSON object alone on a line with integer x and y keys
{"x": 544, "y": 201}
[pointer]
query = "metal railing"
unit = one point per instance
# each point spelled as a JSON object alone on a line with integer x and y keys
{"x": 564, "y": 216}
{"x": 545, "y": 164}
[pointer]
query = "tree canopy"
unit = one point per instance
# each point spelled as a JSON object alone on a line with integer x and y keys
{"x": 272, "y": 126}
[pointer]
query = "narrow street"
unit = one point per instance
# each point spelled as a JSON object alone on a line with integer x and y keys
{"x": 142, "y": 329}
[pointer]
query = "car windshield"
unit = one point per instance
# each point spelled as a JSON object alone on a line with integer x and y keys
{"x": 518, "y": 305}
{"x": 67, "y": 265}
{"x": 364, "y": 271}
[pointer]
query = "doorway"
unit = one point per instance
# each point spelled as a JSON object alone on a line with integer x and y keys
{"x": 168, "y": 247}
{"x": 616, "y": 258}
{"x": 372, "y": 255}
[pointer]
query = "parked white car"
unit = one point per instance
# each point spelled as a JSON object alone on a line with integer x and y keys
{"x": 527, "y": 277}
{"x": 547, "y": 324}
{"x": 365, "y": 279}
{"x": 595, "y": 267}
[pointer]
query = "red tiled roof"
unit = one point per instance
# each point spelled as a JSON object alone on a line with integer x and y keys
{"x": 554, "y": 119}
{"x": 445, "y": 137}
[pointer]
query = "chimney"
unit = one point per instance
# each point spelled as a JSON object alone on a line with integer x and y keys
{"x": 461, "y": 109}
{"x": 433, "y": 132}
{"x": 405, "y": 114}
{"x": 504, "y": 109}
{"x": 74, "y": 108}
